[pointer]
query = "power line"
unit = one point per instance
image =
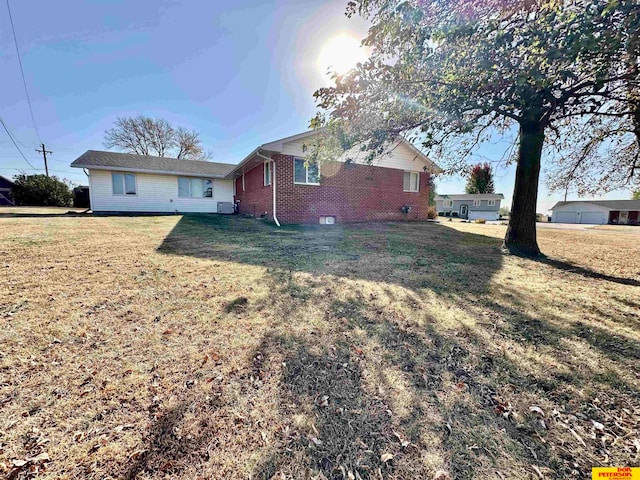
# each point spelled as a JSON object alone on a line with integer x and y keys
{"x": 16, "y": 144}
{"x": 24, "y": 82}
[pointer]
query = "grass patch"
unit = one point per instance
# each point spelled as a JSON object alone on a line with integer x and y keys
{"x": 218, "y": 347}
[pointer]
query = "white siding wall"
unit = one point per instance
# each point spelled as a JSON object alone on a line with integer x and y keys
{"x": 155, "y": 193}
{"x": 569, "y": 213}
{"x": 401, "y": 157}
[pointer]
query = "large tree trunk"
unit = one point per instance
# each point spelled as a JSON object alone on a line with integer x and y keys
{"x": 521, "y": 236}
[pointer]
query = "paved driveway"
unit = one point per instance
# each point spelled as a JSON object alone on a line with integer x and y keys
{"x": 565, "y": 226}
{"x": 596, "y": 228}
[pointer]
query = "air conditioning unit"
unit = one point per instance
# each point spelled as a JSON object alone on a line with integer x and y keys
{"x": 226, "y": 208}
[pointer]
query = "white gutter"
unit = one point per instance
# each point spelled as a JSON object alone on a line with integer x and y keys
{"x": 273, "y": 183}
{"x": 157, "y": 172}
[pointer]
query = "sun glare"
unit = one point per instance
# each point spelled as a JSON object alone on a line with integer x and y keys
{"x": 340, "y": 54}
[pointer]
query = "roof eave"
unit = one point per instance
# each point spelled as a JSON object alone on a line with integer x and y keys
{"x": 246, "y": 160}
{"x": 460, "y": 195}
{"x": 435, "y": 169}
{"x": 143, "y": 170}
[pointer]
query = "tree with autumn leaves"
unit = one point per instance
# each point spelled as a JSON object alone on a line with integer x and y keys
{"x": 480, "y": 179}
{"x": 453, "y": 74}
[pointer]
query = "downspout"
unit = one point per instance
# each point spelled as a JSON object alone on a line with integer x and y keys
{"x": 273, "y": 184}
{"x": 87, "y": 172}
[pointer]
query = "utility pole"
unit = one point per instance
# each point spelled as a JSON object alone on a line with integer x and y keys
{"x": 44, "y": 154}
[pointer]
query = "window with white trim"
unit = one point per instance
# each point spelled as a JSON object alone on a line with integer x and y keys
{"x": 411, "y": 182}
{"x": 124, "y": 184}
{"x": 267, "y": 173}
{"x": 447, "y": 203}
{"x": 305, "y": 173}
{"x": 491, "y": 203}
{"x": 477, "y": 203}
{"x": 195, "y": 187}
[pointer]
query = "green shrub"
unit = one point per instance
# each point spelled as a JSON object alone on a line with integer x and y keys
{"x": 40, "y": 190}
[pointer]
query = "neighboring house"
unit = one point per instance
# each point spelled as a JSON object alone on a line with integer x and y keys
{"x": 273, "y": 182}
{"x": 597, "y": 212}
{"x": 123, "y": 182}
{"x": 6, "y": 192}
{"x": 470, "y": 206}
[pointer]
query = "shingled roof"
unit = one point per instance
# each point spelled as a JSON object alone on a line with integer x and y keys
{"x": 128, "y": 162}
{"x": 610, "y": 204}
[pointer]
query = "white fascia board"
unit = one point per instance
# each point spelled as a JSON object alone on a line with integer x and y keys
{"x": 141, "y": 170}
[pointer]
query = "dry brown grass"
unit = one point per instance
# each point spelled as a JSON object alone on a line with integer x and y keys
{"x": 208, "y": 347}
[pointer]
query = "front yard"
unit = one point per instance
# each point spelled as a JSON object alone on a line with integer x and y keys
{"x": 214, "y": 347}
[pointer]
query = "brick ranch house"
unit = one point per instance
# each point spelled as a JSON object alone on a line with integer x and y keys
{"x": 274, "y": 181}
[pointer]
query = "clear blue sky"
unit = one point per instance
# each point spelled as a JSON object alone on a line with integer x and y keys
{"x": 242, "y": 73}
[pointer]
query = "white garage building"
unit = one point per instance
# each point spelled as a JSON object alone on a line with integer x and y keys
{"x": 597, "y": 212}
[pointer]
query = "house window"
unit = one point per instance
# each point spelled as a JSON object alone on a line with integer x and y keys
{"x": 195, "y": 187}
{"x": 477, "y": 203}
{"x": 306, "y": 174}
{"x": 411, "y": 182}
{"x": 123, "y": 183}
{"x": 491, "y": 203}
{"x": 267, "y": 173}
{"x": 447, "y": 203}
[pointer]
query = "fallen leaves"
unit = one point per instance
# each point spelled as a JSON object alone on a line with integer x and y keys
{"x": 536, "y": 410}
{"x": 33, "y": 464}
{"x": 504, "y": 408}
{"x": 137, "y": 454}
{"x": 404, "y": 443}
{"x": 573, "y": 433}
{"x": 442, "y": 475}
{"x": 358, "y": 351}
{"x": 386, "y": 457}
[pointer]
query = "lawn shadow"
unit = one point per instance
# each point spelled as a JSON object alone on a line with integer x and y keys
{"x": 586, "y": 272}
{"x": 167, "y": 453}
{"x": 389, "y": 377}
{"x": 413, "y": 405}
{"x": 412, "y": 255}
{"x": 339, "y": 429}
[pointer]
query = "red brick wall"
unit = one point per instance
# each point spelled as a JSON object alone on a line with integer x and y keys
{"x": 256, "y": 199}
{"x": 351, "y": 193}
